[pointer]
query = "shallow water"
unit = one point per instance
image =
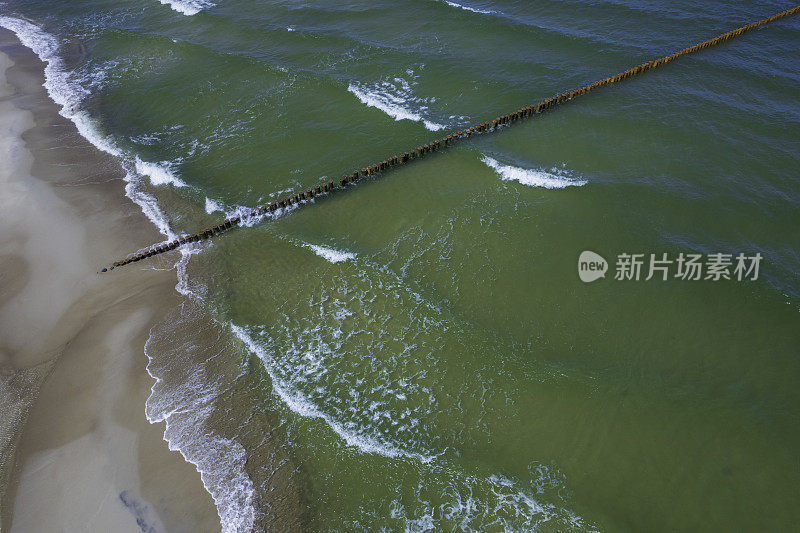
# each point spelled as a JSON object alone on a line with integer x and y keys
{"x": 423, "y": 341}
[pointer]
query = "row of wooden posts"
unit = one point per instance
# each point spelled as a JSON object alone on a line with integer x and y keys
{"x": 438, "y": 144}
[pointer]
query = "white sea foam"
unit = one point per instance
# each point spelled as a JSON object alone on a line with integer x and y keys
{"x": 159, "y": 174}
{"x": 60, "y": 84}
{"x": 554, "y": 179}
{"x": 299, "y": 403}
{"x": 309, "y": 353}
{"x": 149, "y": 206}
{"x": 185, "y": 410}
{"x": 330, "y": 254}
{"x": 248, "y": 219}
{"x": 66, "y": 91}
{"x": 475, "y": 503}
{"x": 220, "y": 461}
{"x": 188, "y": 7}
{"x": 391, "y": 403}
{"x": 395, "y": 98}
{"x": 474, "y": 10}
{"x": 212, "y": 206}
{"x": 381, "y": 414}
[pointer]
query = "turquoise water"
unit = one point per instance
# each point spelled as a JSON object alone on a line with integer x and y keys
{"x": 422, "y": 342}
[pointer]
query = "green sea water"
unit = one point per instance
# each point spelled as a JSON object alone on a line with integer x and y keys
{"x": 421, "y": 345}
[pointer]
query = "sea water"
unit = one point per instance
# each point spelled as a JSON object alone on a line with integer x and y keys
{"x": 422, "y": 342}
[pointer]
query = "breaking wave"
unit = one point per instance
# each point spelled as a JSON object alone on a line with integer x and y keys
{"x": 212, "y": 206}
{"x": 188, "y": 7}
{"x": 220, "y": 461}
{"x": 183, "y": 396}
{"x": 387, "y": 397}
{"x": 554, "y": 179}
{"x": 330, "y": 254}
{"x": 159, "y": 173}
{"x": 473, "y": 9}
{"x": 381, "y": 417}
{"x": 395, "y": 98}
{"x": 66, "y": 91}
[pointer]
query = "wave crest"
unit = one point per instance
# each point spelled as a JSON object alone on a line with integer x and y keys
{"x": 331, "y": 254}
{"x": 554, "y": 179}
{"x": 395, "y": 98}
{"x": 188, "y": 7}
{"x": 473, "y": 9}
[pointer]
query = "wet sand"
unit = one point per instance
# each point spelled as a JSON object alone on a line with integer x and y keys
{"x": 76, "y": 450}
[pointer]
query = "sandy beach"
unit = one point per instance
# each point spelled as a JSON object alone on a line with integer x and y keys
{"x": 76, "y": 450}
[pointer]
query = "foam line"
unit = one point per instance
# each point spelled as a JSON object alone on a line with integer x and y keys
{"x": 68, "y": 94}
{"x": 220, "y": 461}
{"x": 300, "y": 404}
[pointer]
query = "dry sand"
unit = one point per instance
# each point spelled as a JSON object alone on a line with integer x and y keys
{"x": 76, "y": 451}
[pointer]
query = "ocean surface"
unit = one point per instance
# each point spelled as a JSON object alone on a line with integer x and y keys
{"x": 422, "y": 343}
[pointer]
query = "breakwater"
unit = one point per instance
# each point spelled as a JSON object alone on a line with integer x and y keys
{"x": 421, "y": 151}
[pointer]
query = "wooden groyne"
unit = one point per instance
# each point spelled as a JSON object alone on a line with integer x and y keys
{"x": 438, "y": 144}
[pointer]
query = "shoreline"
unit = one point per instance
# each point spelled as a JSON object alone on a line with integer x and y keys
{"x": 78, "y": 451}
